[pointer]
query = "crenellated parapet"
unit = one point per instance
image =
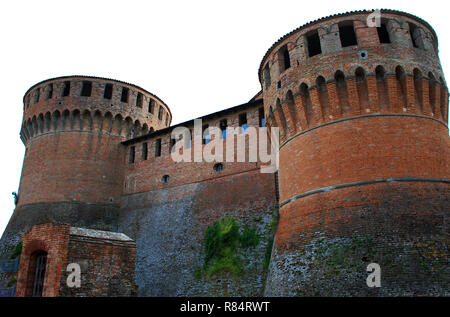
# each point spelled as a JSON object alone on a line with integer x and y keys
{"x": 82, "y": 103}
{"x": 342, "y": 66}
{"x": 380, "y": 90}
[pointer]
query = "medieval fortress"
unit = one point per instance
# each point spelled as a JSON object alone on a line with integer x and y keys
{"x": 364, "y": 177}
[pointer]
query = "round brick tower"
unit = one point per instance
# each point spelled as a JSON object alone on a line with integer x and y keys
{"x": 72, "y": 129}
{"x": 364, "y": 156}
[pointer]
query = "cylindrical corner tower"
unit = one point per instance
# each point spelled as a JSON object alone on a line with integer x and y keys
{"x": 72, "y": 129}
{"x": 364, "y": 156}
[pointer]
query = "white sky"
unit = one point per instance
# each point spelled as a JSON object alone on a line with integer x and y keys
{"x": 197, "y": 56}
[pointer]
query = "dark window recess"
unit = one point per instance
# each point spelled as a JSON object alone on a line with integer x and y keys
{"x": 284, "y": 60}
{"x": 223, "y": 124}
{"x": 167, "y": 119}
{"x": 139, "y": 100}
{"x": 262, "y": 120}
{"x": 160, "y": 113}
{"x": 172, "y": 145}
{"x": 205, "y": 134}
{"x": 188, "y": 139}
{"x": 412, "y": 31}
{"x": 50, "y": 91}
{"x": 218, "y": 167}
{"x": 86, "y": 89}
{"x": 37, "y": 95}
{"x": 347, "y": 35}
{"x": 313, "y": 41}
{"x": 279, "y": 84}
{"x": 132, "y": 154}
{"x": 144, "y": 151}
{"x": 108, "y": 91}
{"x": 243, "y": 122}
{"x": 124, "y": 97}
{"x": 158, "y": 148}
{"x": 165, "y": 178}
{"x": 383, "y": 34}
{"x": 266, "y": 72}
{"x": 39, "y": 274}
{"x": 66, "y": 89}
{"x": 151, "y": 106}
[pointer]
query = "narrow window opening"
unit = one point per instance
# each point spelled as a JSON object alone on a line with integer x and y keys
{"x": 313, "y": 41}
{"x": 383, "y": 34}
{"x": 132, "y": 154}
{"x": 108, "y": 91}
{"x": 144, "y": 151}
{"x": 151, "y": 106}
{"x": 267, "y": 78}
{"x": 412, "y": 32}
{"x": 243, "y": 122}
{"x": 284, "y": 60}
{"x": 205, "y": 133}
{"x": 37, "y": 95}
{"x": 160, "y": 113}
{"x": 50, "y": 91}
{"x": 139, "y": 100}
{"x": 262, "y": 120}
{"x": 158, "y": 148}
{"x": 223, "y": 127}
{"x": 347, "y": 35}
{"x": 167, "y": 119}
{"x": 66, "y": 89}
{"x": 172, "y": 145}
{"x": 86, "y": 89}
{"x": 39, "y": 274}
{"x": 124, "y": 97}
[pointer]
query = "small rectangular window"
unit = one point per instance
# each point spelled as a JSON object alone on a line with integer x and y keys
{"x": 172, "y": 145}
{"x": 124, "y": 97}
{"x": 139, "y": 100}
{"x": 66, "y": 89}
{"x": 383, "y": 34}
{"x": 37, "y": 94}
{"x": 223, "y": 127}
{"x": 205, "y": 134}
{"x": 132, "y": 154}
{"x": 412, "y": 32}
{"x": 313, "y": 41}
{"x": 158, "y": 148}
{"x": 108, "y": 91}
{"x": 144, "y": 151}
{"x": 243, "y": 122}
{"x": 267, "y": 78}
{"x": 262, "y": 120}
{"x": 160, "y": 113}
{"x": 50, "y": 91}
{"x": 167, "y": 119}
{"x": 151, "y": 106}
{"x": 347, "y": 35}
{"x": 86, "y": 89}
{"x": 284, "y": 61}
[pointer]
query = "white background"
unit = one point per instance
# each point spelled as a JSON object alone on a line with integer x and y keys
{"x": 197, "y": 56}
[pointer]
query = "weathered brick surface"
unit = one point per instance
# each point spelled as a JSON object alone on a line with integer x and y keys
{"x": 52, "y": 239}
{"x": 107, "y": 262}
{"x": 364, "y": 176}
